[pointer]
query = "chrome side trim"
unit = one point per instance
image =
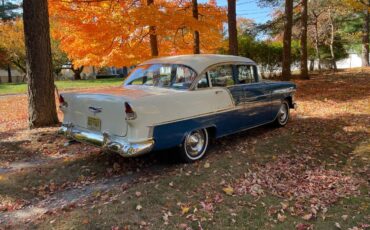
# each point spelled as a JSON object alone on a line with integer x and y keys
{"x": 281, "y": 91}
{"x": 106, "y": 141}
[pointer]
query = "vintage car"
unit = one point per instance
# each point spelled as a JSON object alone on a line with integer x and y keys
{"x": 178, "y": 101}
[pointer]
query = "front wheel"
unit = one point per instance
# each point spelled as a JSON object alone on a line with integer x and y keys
{"x": 283, "y": 115}
{"x": 194, "y": 145}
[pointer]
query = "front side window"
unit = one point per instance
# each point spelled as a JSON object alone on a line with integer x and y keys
{"x": 221, "y": 75}
{"x": 162, "y": 75}
{"x": 246, "y": 74}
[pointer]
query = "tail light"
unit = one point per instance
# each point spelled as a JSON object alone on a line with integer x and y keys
{"x": 62, "y": 102}
{"x": 130, "y": 113}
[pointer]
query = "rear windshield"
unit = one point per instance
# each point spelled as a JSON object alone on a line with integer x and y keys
{"x": 162, "y": 75}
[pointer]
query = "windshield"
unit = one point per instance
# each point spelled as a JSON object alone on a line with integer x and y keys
{"x": 162, "y": 75}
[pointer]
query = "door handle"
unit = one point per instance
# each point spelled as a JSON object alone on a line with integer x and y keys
{"x": 218, "y": 91}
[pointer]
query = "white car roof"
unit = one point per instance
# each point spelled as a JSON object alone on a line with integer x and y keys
{"x": 199, "y": 62}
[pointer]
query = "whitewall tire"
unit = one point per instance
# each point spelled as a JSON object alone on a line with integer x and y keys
{"x": 194, "y": 146}
{"x": 283, "y": 115}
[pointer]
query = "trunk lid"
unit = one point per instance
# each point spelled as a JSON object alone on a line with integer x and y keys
{"x": 96, "y": 112}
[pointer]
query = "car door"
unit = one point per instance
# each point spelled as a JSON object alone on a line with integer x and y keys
{"x": 256, "y": 99}
{"x": 222, "y": 78}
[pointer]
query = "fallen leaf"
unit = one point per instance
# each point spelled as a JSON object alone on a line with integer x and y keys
{"x": 307, "y": 216}
{"x": 183, "y": 226}
{"x": 207, "y": 206}
{"x": 281, "y": 218}
{"x": 338, "y": 225}
{"x": 166, "y": 216}
{"x": 228, "y": 190}
{"x": 139, "y": 207}
{"x": 284, "y": 205}
{"x": 137, "y": 194}
{"x": 185, "y": 209}
{"x": 207, "y": 165}
{"x": 116, "y": 167}
{"x": 302, "y": 226}
{"x": 345, "y": 217}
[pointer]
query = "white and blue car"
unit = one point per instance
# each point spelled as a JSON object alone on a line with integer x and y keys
{"x": 178, "y": 101}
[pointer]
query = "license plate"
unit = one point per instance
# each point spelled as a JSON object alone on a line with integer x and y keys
{"x": 94, "y": 123}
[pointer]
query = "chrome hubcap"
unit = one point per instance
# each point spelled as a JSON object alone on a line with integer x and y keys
{"x": 194, "y": 143}
{"x": 283, "y": 113}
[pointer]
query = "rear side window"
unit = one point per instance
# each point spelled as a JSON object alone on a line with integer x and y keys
{"x": 246, "y": 74}
{"x": 162, "y": 75}
{"x": 221, "y": 75}
{"x": 203, "y": 82}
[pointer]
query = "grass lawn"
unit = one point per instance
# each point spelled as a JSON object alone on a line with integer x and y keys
{"x": 16, "y": 88}
{"x": 311, "y": 174}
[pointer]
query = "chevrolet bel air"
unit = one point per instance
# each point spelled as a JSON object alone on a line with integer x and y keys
{"x": 178, "y": 101}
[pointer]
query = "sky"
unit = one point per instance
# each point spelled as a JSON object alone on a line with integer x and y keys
{"x": 248, "y": 9}
{"x": 244, "y": 8}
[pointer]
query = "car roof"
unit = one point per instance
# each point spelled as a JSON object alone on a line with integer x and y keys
{"x": 199, "y": 62}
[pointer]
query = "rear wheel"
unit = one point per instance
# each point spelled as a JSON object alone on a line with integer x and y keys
{"x": 283, "y": 114}
{"x": 194, "y": 146}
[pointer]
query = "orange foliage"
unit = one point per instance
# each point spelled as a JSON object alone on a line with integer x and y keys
{"x": 116, "y": 33}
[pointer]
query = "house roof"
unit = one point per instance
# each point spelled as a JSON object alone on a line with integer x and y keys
{"x": 199, "y": 62}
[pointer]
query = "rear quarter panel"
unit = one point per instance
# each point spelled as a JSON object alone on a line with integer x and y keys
{"x": 279, "y": 91}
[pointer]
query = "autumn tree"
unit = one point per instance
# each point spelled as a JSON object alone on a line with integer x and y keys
{"x": 8, "y": 12}
{"x": 12, "y": 44}
{"x": 233, "y": 34}
{"x": 13, "y": 47}
{"x": 41, "y": 98}
{"x": 363, "y": 6}
{"x": 117, "y": 33}
{"x": 315, "y": 12}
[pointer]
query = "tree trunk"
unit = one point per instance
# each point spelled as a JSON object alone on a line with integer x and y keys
{"x": 332, "y": 33}
{"x": 317, "y": 50}
{"x": 365, "y": 38}
{"x": 196, "y": 48}
{"x": 77, "y": 72}
{"x": 233, "y": 34}
{"x": 9, "y": 74}
{"x": 286, "y": 73}
{"x": 153, "y": 36}
{"x": 41, "y": 98}
{"x": 304, "y": 58}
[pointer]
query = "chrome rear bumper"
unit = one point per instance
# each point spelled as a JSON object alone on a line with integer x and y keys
{"x": 106, "y": 141}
